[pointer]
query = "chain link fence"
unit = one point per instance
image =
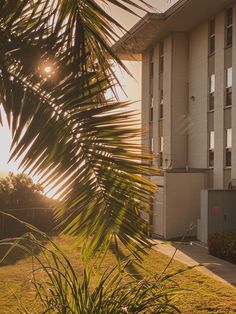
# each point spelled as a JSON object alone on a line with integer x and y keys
{"x": 42, "y": 218}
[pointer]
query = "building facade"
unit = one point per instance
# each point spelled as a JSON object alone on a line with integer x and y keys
{"x": 188, "y": 59}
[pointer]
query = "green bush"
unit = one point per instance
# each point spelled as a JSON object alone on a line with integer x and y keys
{"x": 223, "y": 245}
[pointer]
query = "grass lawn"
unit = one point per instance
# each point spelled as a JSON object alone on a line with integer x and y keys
{"x": 207, "y": 295}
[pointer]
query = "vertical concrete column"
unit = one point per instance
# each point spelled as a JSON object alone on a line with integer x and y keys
{"x": 167, "y": 91}
{"x": 156, "y": 96}
{"x": 219, "y": 102}
{"x": 145, "y": 100}
{"x": 233, "y": 174}
{"x": 179, "y": 141}
{"x": 198, "y": 94}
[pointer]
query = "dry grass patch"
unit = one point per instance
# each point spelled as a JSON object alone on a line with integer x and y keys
{"x": 206, "y": 296}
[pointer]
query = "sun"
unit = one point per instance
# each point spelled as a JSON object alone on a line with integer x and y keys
{"x": 47, "y": 69}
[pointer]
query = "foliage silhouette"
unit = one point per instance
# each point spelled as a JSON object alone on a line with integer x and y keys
{"x": 56, "y": 66}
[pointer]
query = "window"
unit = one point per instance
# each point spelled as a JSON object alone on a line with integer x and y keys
{"x": 161, "y": 57}
{"x": 151, "y": 63}
{"x": 229, "y": 27}
{"x": 212, "y": 140}
{"x": 161, "y": 104}
{"x": 151, "y": 69}
{"x": 151, "y": 140}
{"x": 161, "y": 151}
{"x": 229, "y": 138}
{"x": 228, "y": 160}
{"x": 151, "y": 145}
{"x": 212, "y": 92}
{"x": 162, "y": 144}
{"x": 151, "y": 109}
{"x": 229, "y": 78}
{"x": 228, "y": 101}
{"x": 212, "y": 83}
{"x": 211, "y": 148}
{"x": 212, "y": 36}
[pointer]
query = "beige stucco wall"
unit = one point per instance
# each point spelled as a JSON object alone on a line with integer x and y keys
{"x": 198, "y": 93}
{"x": 183, "y": 204}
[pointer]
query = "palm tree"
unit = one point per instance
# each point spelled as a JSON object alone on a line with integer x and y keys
{"x": 56, "y": 65}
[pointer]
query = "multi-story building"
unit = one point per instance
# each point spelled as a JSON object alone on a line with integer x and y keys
{"x": 188, "y": 59}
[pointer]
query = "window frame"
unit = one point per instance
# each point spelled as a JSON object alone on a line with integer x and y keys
{"x": 161, "y": 105}
{"x": 161, "y": 151}
{"x": 211, "y": 37}
{"x": 228, "y": 148}
{"x": 211, "y": 94}
{"x": 211, "y": 150}
{"x": 229, "y": 27}
{"x": 151, "y": 109}
{"x": 228, "y": 87}
{"x": 161, "y": 57}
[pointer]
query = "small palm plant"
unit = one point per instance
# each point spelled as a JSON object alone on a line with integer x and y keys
{"x": 59, "y": 288}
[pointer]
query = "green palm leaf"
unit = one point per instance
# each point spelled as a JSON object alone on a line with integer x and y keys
{"x": 63, "y": 126}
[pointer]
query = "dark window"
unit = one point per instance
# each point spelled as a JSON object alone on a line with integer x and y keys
{"x": 161, "y": 111}
{"x": 212, "y": 36}
{"x": 228, "y": 161}
{"x": 211, "y": 158}
{"x": 229, "y": 17}
{"x": 229, "y": 27}
{"x": 212, "y": 45}
{"x": 161, "y": 57}
{"x": 229, "y": 37}
{"x": 161, "y": 114}
{"x": 228, "y": 101}
{"x": 161, "y": 151}
{"x": 151, "y": 69}
{"x": 151, "y": 141}
{"x": 151, "y": 109}
{"x": 211, "y": 148}
{"x": 211, "y": 101}
{"x": 212, "y": 92}
{"x": 228, "y": 148}
{"x": 160, "y": 159}
{"x": 229, "y": 80}
{"x": 151, "y": 114}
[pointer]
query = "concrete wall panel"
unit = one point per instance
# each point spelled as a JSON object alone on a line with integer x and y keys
{"x": 198, "y": 92}
{"x": 183, "y": 203}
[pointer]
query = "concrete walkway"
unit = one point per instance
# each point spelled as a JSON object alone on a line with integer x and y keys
{"x": 193, "y": 253}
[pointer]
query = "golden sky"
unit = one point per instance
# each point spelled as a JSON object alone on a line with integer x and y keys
{"x": 131, "y": 85}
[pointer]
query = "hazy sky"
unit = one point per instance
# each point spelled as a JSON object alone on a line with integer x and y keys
{"x": 131, "y": 86}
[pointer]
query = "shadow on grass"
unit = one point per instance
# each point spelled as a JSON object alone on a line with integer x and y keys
{"x": 12, "y": 254}
{"x": 130, "y": 267}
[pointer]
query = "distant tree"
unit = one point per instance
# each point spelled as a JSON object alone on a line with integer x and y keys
{"x": 19, "y": 191}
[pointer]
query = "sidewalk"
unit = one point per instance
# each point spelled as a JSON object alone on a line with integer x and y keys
{"x": 192, "y": 253}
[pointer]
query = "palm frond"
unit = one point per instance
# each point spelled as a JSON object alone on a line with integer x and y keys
{"x": 63, "y": 125}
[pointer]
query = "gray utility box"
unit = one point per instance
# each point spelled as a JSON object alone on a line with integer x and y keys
{"x": 218, "y": 212}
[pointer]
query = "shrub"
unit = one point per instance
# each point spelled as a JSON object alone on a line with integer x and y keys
{"x": 223, "y": 245}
